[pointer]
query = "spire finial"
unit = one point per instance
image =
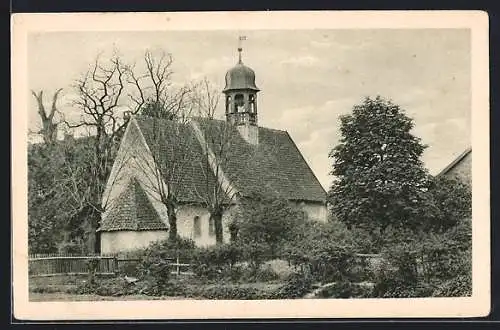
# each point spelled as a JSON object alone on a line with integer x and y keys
{"x": 240, "y": 48}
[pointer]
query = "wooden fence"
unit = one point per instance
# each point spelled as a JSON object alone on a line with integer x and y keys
{"x": 68, "y": 264}
{"x": 56, "y": 264}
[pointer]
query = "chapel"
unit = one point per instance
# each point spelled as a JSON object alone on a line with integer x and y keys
{"x": 228, "y": 159}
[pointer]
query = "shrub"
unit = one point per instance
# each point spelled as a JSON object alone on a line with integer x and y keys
{"x": 227, "y": 292}
{"x": 71, "y": 248}
{"x": 327, "y": 249}
{"x": 265, "y": 274}
{"x": 264, "y": 223}
{"x": 346, "y": 289}
{"x": 297, "y": 285}
{"x": 430, "y": 264}
{"x": 154, "y": 267}
{"x": 217, "y": 262}
{"x": 461, "y": 286}
{"x": 128, "y": 262}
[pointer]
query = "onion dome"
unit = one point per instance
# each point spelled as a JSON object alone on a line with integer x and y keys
{"x": 240, "y": 77}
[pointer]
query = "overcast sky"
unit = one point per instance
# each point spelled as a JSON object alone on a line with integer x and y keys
{"x": 307, "y": 78}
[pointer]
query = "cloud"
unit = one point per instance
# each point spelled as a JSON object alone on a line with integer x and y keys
{"x": 212, "y": 67}
{"x": 320, "y": 44}
{"x": 304, "y": 60}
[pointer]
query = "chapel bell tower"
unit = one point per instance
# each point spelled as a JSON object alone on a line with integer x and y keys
{"x": 241, "y": 100}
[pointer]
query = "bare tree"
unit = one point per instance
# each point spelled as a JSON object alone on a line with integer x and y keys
{"x": 168, "y": 110}
{"x": 218, "y": 193}
{"x": 165, "y": 173}
{"x": 216, "y": 138}
{"x": 49, "y": 126}
{"x": 206, "y": 97}
{"x": 104, "y": 93}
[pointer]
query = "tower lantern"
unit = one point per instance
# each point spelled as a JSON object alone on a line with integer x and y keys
{"x": 241, "y": 98}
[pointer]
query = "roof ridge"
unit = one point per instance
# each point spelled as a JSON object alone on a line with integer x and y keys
{"x": 455, "y": 161}
{"x": 305, "y": 161}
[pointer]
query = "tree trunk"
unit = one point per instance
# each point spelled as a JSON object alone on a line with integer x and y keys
{"x": 233, "y": 232}
{"x": 172, "y": 222}
{"x": 216, "y": 216}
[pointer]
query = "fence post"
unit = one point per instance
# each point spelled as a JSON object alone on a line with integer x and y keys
{"x": 178, "y": 266}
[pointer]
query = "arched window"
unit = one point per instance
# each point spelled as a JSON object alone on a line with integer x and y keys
{"x": 211, "y": 227}
{"x": 196, "y": 226}
{"x": 239, "y": 103}
{"x": 228, "y": 104}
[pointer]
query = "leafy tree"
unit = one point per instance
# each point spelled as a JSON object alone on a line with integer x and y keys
{"x": 58, "y": 180}
{"x": 380, "y": 180}
{"x": 451, "y": 203}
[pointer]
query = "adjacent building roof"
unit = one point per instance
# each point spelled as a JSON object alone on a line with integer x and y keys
{"x": 133, "y": 211}
{"x": 455, "y": 162}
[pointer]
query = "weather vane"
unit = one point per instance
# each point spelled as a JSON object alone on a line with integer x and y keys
{"x": 240, "y": 48}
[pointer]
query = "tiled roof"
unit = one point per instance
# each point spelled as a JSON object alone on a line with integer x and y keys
{"x": 133, "y": 211}
{"x": 275, "y": 163}
{"x": 180, "y": 152}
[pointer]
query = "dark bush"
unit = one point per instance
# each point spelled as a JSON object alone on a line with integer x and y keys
{"x": 227, "y": 292}
{"x": 460, "y": 286}
{"x": 328, "y": 250}
{"x": 154, "y": 267}
{"x": 217, "y": 262}
{"x": 297, "y": 285}
{"x": 71, "y": 248}
{"x": 431, "y": 264}
{"x": 345, "y": 289}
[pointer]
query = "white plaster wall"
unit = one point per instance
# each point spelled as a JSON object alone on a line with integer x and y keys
{"x": 134, "y": 160}
{"x": 250, "y": 133}
{"x": 185, "y": 224}
{"x": 120, "y": 241}
{"x": 315, "y": 211}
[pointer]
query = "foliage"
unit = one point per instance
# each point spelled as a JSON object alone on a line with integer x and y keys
{"x": 429, "y": 264}
{"x": 297, "y": 285}
{"x": 218, "y": 262}
{"x": 380, "y": 179}
{"x": 154, "y": 267}
{"x": 328, "y": 249}
{"x": 58, "y": 183}
{"x": 345, "y": 289}
{"x": 262, "y": 274}
{"x": 226, "y": 292}
{"x": 451, "y": 203}
{"x": 265, "y": 223}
